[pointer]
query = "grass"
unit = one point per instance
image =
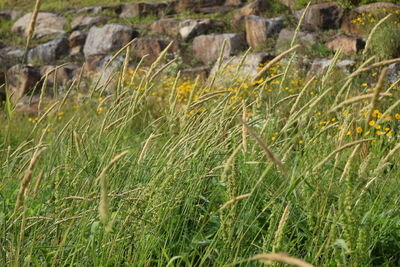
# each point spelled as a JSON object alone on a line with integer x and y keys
{"x": 162, "y": 171}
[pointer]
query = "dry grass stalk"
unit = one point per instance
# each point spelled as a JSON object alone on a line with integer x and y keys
{"x": 104, "y": 203}
{"x": 271, "y": 156}
{"x": 27, "y": 178}
{"x": 244, "y": 130}
{"x": 38, "y": 181}
{"x": 281, "y": 225}
{"x": 357, "y": 99}
{"x": 348, "y": 163}
{"x": 31, "y": 28}
{"x": 270, "y": 258}
{"x": 146, "y": 147}
{"x": 377, "y": 89}
{"x": 340, "y": 149}
{"x": 233, "y": 200}
{"x": 273, "y": 61}
{"x": 301, "y": 94}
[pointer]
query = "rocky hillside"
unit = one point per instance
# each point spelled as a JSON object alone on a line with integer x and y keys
{"x": 80, "y": 42}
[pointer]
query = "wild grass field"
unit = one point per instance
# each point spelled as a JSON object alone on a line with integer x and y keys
{"x": 162, "y": 170}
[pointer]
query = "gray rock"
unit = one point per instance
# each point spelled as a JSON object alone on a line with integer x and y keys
{"x": 151, "y": 47}
{"x": 99, "y": 9}
{"x": 59, "y": 76}
{"x": 76, "y": 42}
{"x": 258, "y": 29}
{"x": 134, "y": 10}
{"x": 350, "y": 45}
{"x": 182, "y": 5}
{"x": 50, "y": 51}
{"x": 46, "y": 24}
{"x": 324, "y": 16}
{"x": 393, "y": 73}
{"x": 254, "y": 8}
{"x": 320, "y": 66}
{"x": 207, "y": 48}
{"x": 82, "y": 22}
{"x": 9, "y": 14}
{"x": 191, "y": 28}
{"x": 101, "y": 41}
{"x": 202, "y": 71}
{"x": 231, "y": 66}
{"x": 286, "y": 36}
{"x": 165, "y": 27}
{"x": 22, "y": 79}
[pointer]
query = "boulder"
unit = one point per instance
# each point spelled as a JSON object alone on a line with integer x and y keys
{"x": 235, "y": 3}
{"x": 77, "y": 41}
{"x": 22, "y": 79}
{"x": 379, "y": 6}
{"x": 254, "y": 8}
{"x": 9, "y": 14}
{"x": 142, "y": 9}
{"x": 98, "y": 9}
{"x": 207, "y": 48}
{"x": 50, "y": 51}
{"x": 46, "y": 24}
{"x": 182, "y": 5}
{"x": 320, "y": 66}
{"x": 168, "y": 27}
{"x": 258, "y": 29}
{"x": 10, "y": 56}
{"x": 194, "y": 27}
{"x": 152, "y": 47}
{"x": 248, "y": 69}
{"x": 285, "y": 37}
{"x": 350, "y": 45}
{"x": 82, "y": 22}
{"x": 323, "y": 16}
{"x": 393, "y": 73}
{"x": 101, "y": 41}
{"x": 192, "y": 73}
{"x": 59, "y": 76}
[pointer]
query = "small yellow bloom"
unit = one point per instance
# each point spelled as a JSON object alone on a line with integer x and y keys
{"x": 348, "y": 133}
{"x": 379, "y": 132}
{"x": 371, "y": 123}
{"x": 273, "y": 138}
{"x": 378, "y": 127}
{"x": 397, "y": 116}
{"x": 367, "y": 133}
{"x": 364, "y": 84}
{"x": 301, "y": 142}
{"x": 359, "y": 130}
{"x": 389, "y": 134}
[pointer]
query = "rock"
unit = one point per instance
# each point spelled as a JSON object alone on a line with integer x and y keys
{"x": 182, "y": 5}
{"x": 143, "y": 9}
{"x": 324, "y": 16}
{"x": 393, "y": 73}
{"x": 82, "y": 22}
{"x": 214, "y": 9}
{"x": 320, "y": 66}
{"x": 152, "y": 47}
{"x": 286, "y": 36}
{"x": 207, "y": 48}
{"x": 99, "y": 9}
{"x": 258, "y": 29}
{"x": 350, "y": 24}
{"x": 22, "y": 79}
{"x": 165, "y": 27}
{"x": 1, "y": 45}
{"x": 101, "y": 41}
{"x": 350, "y": 45}
{"x": 254, "y": 8}
{"x": 50, "y": 51}
{"x": 235, "y": 3}
{"x": 194, "y": 27}
{"x": 76, "y": 42}
{"x": 248, "y": 70}
{"x": 59, "y": 76}
{"x": 9, "y": 57}
{"x": 192, "y": 73}
{"x": 46, "y": 24}
{"x": 9, "y": 14}
{"x": 379, "y": 6}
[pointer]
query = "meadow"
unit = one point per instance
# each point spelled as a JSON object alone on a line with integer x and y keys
{"x": 163, "y": 170}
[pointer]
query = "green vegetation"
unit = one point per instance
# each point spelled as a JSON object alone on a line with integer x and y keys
{"x": 313, "y": 176}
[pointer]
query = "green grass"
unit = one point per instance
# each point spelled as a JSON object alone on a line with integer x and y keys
{"x": 185, "y": 159}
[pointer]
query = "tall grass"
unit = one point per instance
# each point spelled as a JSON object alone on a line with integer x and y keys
{"x": 226, "y": 178}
